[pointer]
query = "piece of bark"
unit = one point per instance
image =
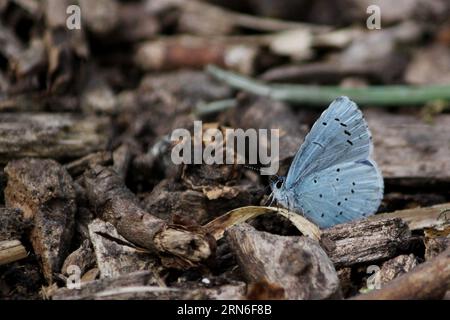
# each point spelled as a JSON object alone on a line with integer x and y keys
{"x": 120, "y": 207}
{"x": 83, "y": 258}
{"x": 50, "y": 135}
{"x": 168, "y": 199}
{"x": 434, "y": 246}
{"x": 12, "y": 224}
{"x": 78, "y": 166}
{"x": 142, "y": 285}
{"x": 365, "y": 241}
{"x": 214, "y": 288}
{"x": 43, "y": 190}
{"x": 209, "y": 20}
{"x": 115, "y": 255}
{"x": 429, "y": 280}
{"x": 296, "y": 264}
{"x": 89, "y": 289}
{"x": 429, "y": 66}
{"x": 11, "y": 250}
{"x": 397, "y": 266}
{"x": 192, "y": 52}
{"x": 419, "y": 218}
{"x": 122, "y": 157}
{"x": 406, "y": 146}
{"x": 38, "y": 102}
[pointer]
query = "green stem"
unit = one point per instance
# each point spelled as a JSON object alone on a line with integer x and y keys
{"x": 204, "y": 109}
{"x": 396, "y": 95}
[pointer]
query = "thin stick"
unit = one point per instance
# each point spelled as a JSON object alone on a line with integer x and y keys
{"x": 398, "y": 95}
{"x": 246, "y": 20}
{"x": 11, "y": 250}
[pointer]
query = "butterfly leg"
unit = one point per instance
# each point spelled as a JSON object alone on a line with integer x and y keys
{"x": 270, "y": 198}
{"x": 272, "y": 201}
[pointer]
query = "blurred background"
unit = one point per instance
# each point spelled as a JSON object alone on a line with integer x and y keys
{"x": 107, "y": 85}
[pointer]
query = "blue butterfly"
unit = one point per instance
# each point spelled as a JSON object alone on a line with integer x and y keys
{"x": 332, "y": 178}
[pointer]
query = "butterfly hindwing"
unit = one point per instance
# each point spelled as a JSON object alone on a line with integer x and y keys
{"x": 340, "y": 193}
{"x": 340, "y": 135}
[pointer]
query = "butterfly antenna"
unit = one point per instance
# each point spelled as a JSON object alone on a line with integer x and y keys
{"x": 252, "y": 168}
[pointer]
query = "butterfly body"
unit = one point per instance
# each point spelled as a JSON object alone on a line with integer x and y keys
{"x": 332, "y": 178}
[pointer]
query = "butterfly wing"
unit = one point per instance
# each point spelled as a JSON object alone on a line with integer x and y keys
{"x": 340, "y": 193}
{"x": 339, "y": 135}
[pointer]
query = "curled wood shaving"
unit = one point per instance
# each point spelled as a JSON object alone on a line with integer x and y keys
{"x": 218, "y": 226}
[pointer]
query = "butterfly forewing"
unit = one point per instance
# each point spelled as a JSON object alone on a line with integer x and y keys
{"x": 340, "y": 135}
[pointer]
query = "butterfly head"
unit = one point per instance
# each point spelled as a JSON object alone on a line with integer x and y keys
{"x": 278, "y": 188}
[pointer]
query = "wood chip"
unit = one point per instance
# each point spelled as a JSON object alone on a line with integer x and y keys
{"x": 297, "y": 264}
{"x": 406, "y": 146}
{"x": 115, "y": 255}
{"x": 365, "y": 241}
{"x": 43, "y": 190}
{"x": 50, "y": 135}
{"x": 11, "y": 251}
{"x": 429, "y": 280}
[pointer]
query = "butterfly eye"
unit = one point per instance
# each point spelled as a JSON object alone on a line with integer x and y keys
{"x": 279, "y": 184}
